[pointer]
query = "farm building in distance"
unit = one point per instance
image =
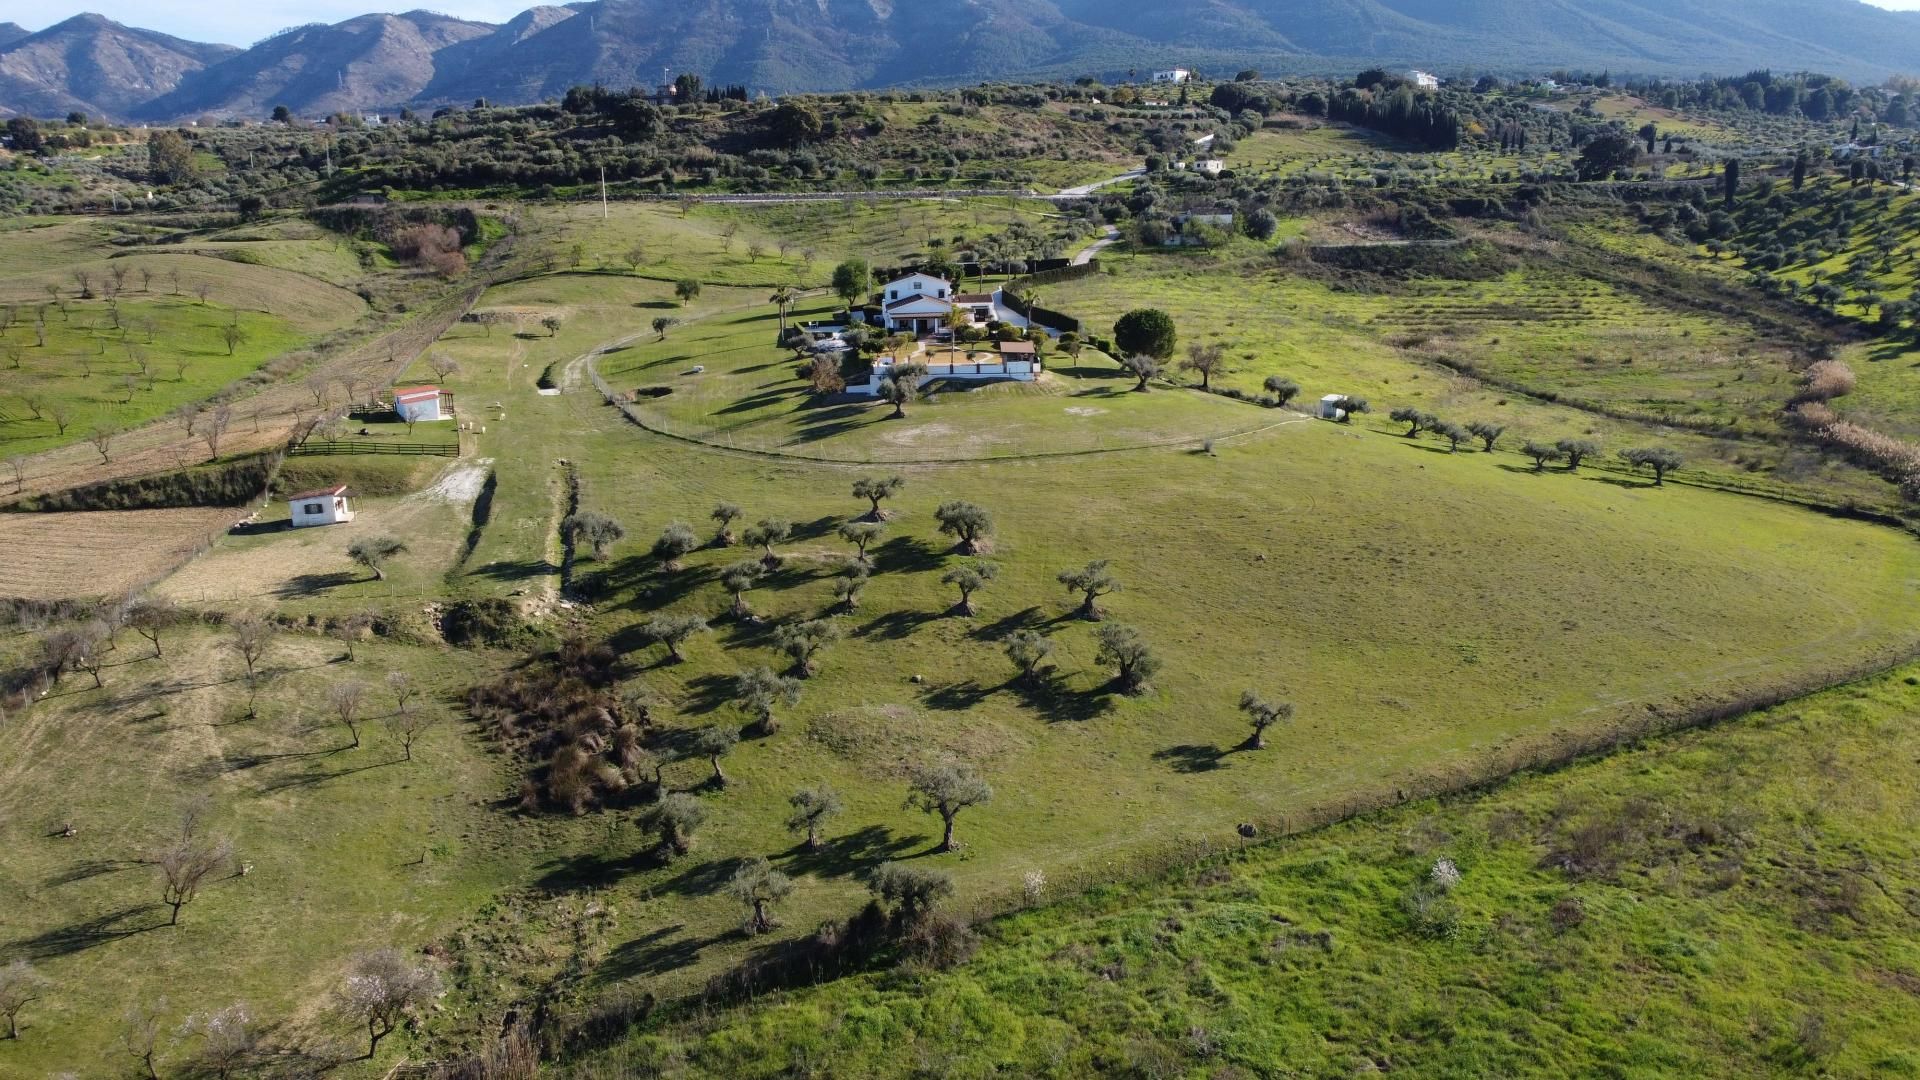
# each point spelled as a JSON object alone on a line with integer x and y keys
{"x": 418, "y": 403}
{"x": 1330, "y": 407}
{"x": 322, "y": 506}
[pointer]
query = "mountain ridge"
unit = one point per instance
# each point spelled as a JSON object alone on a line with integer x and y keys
{"x": 379, "y": 61}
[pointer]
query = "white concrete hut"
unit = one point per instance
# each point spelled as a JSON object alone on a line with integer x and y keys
{"x": 321, "y": 506}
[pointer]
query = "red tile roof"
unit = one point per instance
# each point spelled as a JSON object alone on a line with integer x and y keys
{"x": 415, "y": 393}
{"x": 319, "y": 493}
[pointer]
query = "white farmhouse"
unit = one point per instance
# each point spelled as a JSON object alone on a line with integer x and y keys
{"x": 322, "y": 506}
{"x": 917, "y": 304}
{"x": 1423, "y": 80}
{"x": 1176, "y": 75}
{"x": 1330, "y": 407}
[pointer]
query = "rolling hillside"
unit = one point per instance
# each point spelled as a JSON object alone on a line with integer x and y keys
{"x": 787, "y": 45}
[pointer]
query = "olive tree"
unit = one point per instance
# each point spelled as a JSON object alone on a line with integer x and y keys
{"x": 1657, "y": 458}
{"x": 900, "y": 388}
{"x": 877, "y": 489}
{"x": 803, "y": 641}
{"x": 1207, "y": 361}
{"x": 813, "y": 807}
{"x": 714, "y": 742}
{"x": 373, "y": 552}
{"x": 1576, "y": 451}
{"x": 1028, "y": 649}
{"x": 759, "y": 691}
{"x": 594, "y": 529}
{"x": 768, "y": 532}
{"x": 848, "y": 585}
{"x": 675, "y": 543}
{"x": 1487, "y": 432}
{"x": 1282, "y": 388}
{"x": 759, "y": 886}
{"x": 1263, "y": 714}
{"x": 675, "y": 818}
{"x": 1350, "y": 407}
{"x": 672, "y": 630}
{"x": 1453, "y": 433}
{"x": 1092, "y": 582}
{"x": 381, "y": 988}
{"x": 946, "y": 788}
{"x": 969, "y": 578}
{"x": 1415, "y": 420}
{"x": 912, "y": 890}
{"x": 738, "y": 578}
{"x": 1142, "y": 367}
{"x": 1123, "y": 647}
{"x": 968, "y": 523}
{"x": 1541, "y": 453}
{"x": 861, "y": 534}
{"x": 724, "y": 514}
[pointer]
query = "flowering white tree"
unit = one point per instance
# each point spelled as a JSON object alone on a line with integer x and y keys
{"x": 382, "y": 988}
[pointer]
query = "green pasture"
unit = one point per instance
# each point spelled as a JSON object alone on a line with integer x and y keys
{"x": 1702, "y": 933}
{"x": 346, "y": 849}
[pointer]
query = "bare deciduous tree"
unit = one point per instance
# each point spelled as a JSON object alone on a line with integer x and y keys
{"x": 102, "y": 440}
{"x": 153, "y": 616}
{"x": 141, "y": 1031}
{"x": 228, "y": 1042}
{"x": 381, "y": 988}
{"x": 189, "y": 859}
{"x": 214, "y": 427}
{"x": 347, "y": 699}
{"x": 20, "y": 986}
{"x": 407, "y": 727}
{"x": 248, "y": 638}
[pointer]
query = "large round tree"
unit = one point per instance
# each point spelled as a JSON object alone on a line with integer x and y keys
{"x": 1144, "y": 332}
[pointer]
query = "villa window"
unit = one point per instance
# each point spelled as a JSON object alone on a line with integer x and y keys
{"x": 312, "y": 508}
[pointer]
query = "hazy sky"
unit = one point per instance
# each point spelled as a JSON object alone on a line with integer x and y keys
{"x": 243, "y": 24}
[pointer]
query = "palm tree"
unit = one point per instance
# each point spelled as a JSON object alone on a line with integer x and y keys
{"x": 783, "y": 297}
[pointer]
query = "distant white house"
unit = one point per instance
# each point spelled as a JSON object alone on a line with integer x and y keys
{"x": 322, "y": 506}
{"x": 1330, "y": 407}
{"x": 1210, "y": 166}
{"x": 917, "y": 304}
{"x": 1177, "y": 75}
{"x": 1423, "y": 80}
{"x": 416, "y": 403}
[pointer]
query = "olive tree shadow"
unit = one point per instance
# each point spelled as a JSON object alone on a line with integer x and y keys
{"x": 1192, "y": 758}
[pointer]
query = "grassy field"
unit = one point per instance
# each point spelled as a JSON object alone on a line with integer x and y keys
{"x": 1694, "y": 930}
{"x": 1435, "y": 618}
{"x": 799, "y": 244}
{"x": 1499, "y": 606}
{"x": 95, "y": 363}
{"x": 348, "y": 849}
{"x": 1618, "y": 365}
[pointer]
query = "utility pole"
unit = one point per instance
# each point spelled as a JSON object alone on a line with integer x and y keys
{"x": 603, "y": 193}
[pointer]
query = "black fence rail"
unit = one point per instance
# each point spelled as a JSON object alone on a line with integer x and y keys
{"x": 349, "y": 446}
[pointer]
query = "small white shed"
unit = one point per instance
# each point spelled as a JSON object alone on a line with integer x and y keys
{"x": 1330, "y": 407}
{"x": 417, "y": 403}
{"x": 323, "y": 506}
